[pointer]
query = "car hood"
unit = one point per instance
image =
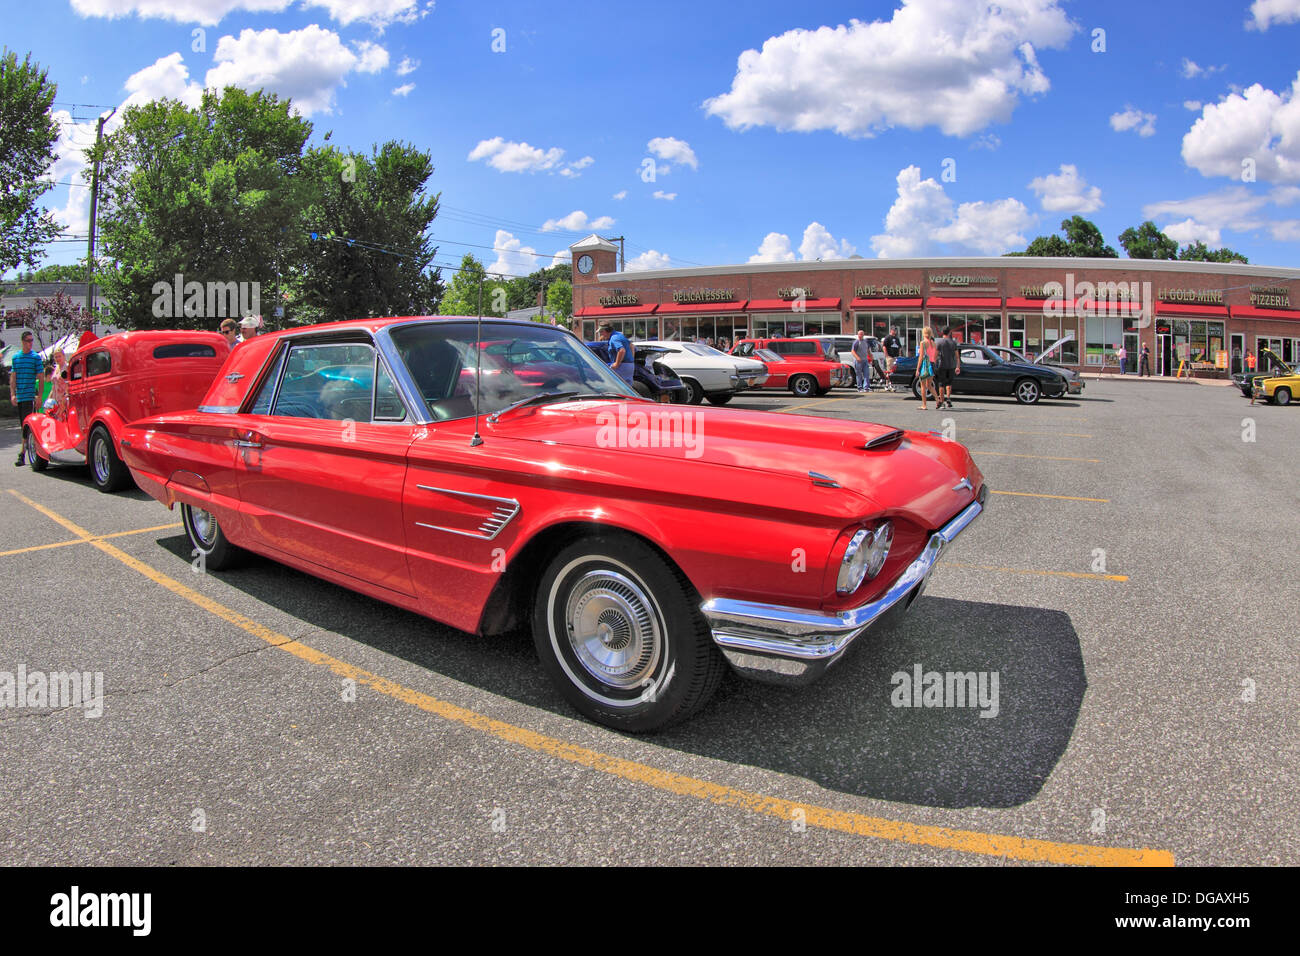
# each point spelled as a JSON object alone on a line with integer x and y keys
{"x": 878, "y": 464}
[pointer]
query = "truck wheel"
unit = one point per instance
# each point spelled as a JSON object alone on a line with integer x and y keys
{"x": 620, "y": 635}
{"x": 804, "y": 386}
{"x": 106, "y": 469}
{"x": 33, "y": 456}
{"x": 210, "y": 544}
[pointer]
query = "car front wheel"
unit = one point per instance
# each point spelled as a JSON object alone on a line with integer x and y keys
{"x": 212, "y": 550}
{"x": 1282, "y": 396}
{"x": 106, "y": 469}
{"x": 1027, "y": 391}
{"x": 620, "y": 634}
{"x": 696, "y": 392}
{"x": 33, "y": 455}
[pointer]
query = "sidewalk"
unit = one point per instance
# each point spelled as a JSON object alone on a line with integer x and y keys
{"x": 1116, "y": 377}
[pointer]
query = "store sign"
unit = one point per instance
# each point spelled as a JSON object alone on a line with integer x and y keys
{"x": 686, "y": 296}
{"x": 1102, "y": 291}
{"x": 886, "y": 291}
{"x": 1270, "y": 297}
{"x": 1193, "y": 296}
{"x": 618, "y": 298}
{"x": 794, "y": 292}
{"x": 952, "y": 279}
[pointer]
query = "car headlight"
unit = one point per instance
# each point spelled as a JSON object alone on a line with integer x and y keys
{"x": 864, "y": 557}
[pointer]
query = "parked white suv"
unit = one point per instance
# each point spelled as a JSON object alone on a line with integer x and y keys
{"x": 708, "y": 373}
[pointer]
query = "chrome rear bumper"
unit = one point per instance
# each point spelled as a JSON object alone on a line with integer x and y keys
{"x": 787, "y": 645}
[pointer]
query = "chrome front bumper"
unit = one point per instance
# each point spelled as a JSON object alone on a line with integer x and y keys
{"x": 786, "y": 645}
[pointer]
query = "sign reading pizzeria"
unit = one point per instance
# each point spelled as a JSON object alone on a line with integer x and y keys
{"x": 886, "y": 291}
{"x": 1191, "y": 296}
{"x": 687, "y": 296}
{"x": 1270, "y": 297}
{"x": 619, "y": 298}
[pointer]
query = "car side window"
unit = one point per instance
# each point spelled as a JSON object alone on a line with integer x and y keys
{"x": 262, "y": 404}
{"x": 388, "y": 406}
{"x": 973, "y": 357}
{"x": 98, "y": 363}
{"x": 332, "y": 381}
{"x": 74, "y": 371}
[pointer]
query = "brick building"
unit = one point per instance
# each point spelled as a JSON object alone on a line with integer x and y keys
{"x": 1204, "y": 316}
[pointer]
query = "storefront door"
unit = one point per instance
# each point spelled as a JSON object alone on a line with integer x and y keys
{"x": 1236, "y": 354}
{"x": 1164, "y": 355}
{"x": 1131, "y": 347}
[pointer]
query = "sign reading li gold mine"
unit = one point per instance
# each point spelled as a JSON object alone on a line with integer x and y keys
{"x": 961, "y": 281}
{"x": 794, "y": 292}
{"x": 687, "y": 296}
{"x": 886, "y": 291}
{"x": 619, "y": 298}
{"x": 1270, "y": 296}
{"x": 1194, "y": 296}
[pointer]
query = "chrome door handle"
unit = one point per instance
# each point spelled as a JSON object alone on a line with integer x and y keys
{"x": 247, "y": 444}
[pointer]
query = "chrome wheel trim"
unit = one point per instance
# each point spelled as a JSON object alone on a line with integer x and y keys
{"x": 99, "y": 459}
{"x": 202, "y": 527}
{"x": 31, "y": 446}
{"x": 803, "y": 388}
{"x": 607, "y": 622}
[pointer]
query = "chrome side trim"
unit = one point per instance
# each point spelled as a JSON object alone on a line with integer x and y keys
{"x": 823, "y": 481}
{"x": 492, "y": 525}
{"x": 793, "y": 645}
{"x": 219, "y": 409}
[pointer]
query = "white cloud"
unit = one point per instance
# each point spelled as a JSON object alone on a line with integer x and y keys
{"x": 1134, "y": 119}
{"x": 922, "y": 216}
{"x": 407, "y": 65}
{"x": 1190, "y": 69}
{"x": 1257, "y": 125}
{"x": 1264, "y": 13}
{"x": 1235, "y": 208}
{"x": 404, "y": 89}
{"x": 378, "y": 13}
{"x": 660, "y": 194}
{"x": 166, "y": 78}
{"x": 561, "y": 255}
{"x": 775, "y": 247}
{"x": 570, "y": 171}
{"x": 818, "y": 243}
{"x": 648, "y": 260}
{"x": 673, "y": 150}
{"x": 1193, "y": 105}
{"x": 577, "y": 221}
{"x": 989, "y": 141}
{"x": 1189, "y": 231}
{"x": 957, "y": 66}
{"x": 621, "y": 194}
{"x": 514, "y": 258}
{"x": 1285, "y": 230}
{"x": 305, "y": 65}
{"x": 509, "y": 157}
{"x": 1066, "y": 191}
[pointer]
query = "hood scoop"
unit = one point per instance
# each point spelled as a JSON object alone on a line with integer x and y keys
{"x": 883, "y": 441}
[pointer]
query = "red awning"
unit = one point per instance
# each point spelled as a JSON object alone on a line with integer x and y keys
{"x": 1186, "y": 308}
{"x": 787, "y": 305}
{"x": 1277, "y": 315}
{"x": 983, "y": 305}
{"x": 676, "y": 308}
{"x": 597, "y": 311}
{"x": 885, "y": 303}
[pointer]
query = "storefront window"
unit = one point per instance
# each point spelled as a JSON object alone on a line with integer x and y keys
{"x": 1104, "y": 337}
{"x": 785, "y": 325}
{"x": 909, "y": 325}
{"x": 974, "y": 327}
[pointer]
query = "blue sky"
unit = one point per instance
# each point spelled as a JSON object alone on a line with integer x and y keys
{"x": 930, "y": 127}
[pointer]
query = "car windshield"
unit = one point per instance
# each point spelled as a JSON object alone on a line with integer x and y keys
{"x": 699, "y": 348}
{"x": 516, "y": 363}
{"x": 767, "y": 355}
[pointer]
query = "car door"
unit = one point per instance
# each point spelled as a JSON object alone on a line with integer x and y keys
{"x": 982, "y": 373}
{"x": 321, "y": 461}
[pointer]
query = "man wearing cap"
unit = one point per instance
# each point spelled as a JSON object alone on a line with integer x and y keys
{"x": 250, "y": 324}
{"x": 26, "y": 380}
{"x": 620, "y": 352}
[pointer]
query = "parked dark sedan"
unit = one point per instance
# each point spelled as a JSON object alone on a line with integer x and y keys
{"x": 984, "y": 373}
{"x": 650, "y": 378}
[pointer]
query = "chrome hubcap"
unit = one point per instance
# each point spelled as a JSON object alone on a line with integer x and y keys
{"x": 204, "y": 526}
{"x": 31, "y": 447}
{"x": 101, "y": 459}
{"x": 612, "y": 629}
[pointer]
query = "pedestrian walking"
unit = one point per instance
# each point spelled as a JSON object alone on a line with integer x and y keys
{"x": 893, "y": 349}
{"x": 926, "y": 355}
{"x": 1144, "y": 364}
{"x": 862, "y": 360}
{"x": 26, "y": 380}
{"x": 948, "y": 367}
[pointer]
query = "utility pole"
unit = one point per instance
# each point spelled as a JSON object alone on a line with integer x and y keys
{"x": 94, "y": 203}
{"x": 622, "y": 255}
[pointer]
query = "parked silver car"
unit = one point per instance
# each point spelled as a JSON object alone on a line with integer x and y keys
{"x": 708, "y": 373}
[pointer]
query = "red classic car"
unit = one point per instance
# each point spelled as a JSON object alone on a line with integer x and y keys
{"x": 115, "y": 380}
{"x": 805, "y": 375}
{"x": 648, "y": 545}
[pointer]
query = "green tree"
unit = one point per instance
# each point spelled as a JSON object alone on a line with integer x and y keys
{"x": 1199, "y": 252}
{"x": 559, "y": 301}
{"x": 1147, "y": 242}
{"x": 366, "y": 221}
{"x": 75, "y": 273}
{"x": 1082, "y": 240}
{"x": 462, "y": 294}
{"x": 207, "y": 193}
{"x": 28, "y": 134}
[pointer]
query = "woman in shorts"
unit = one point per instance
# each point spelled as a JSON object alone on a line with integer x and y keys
{"x": 926, "y": 356}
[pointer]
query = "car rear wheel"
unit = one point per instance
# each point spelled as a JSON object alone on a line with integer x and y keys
{"x": 720, "y": 399}
{"x": 212, "y": 550}
{"x": 805, "y": 386}
{"x": 33, "y": 456}
{"x": 696, "y": 392}
{"x": 1282, "y": 396}
{"x": 106, "y": 470}
{"x": 620, "y": 634}
{"x": 1027, "y": 391}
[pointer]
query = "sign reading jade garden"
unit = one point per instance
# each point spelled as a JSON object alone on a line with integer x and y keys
{"x": 1270, "y": 297}
{"x": 619, "y": 298}
{"x": 687, "y": 296}
{"x": 887, "y": 291}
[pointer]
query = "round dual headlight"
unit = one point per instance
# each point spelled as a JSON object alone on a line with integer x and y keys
{"x": 864, "y": 557}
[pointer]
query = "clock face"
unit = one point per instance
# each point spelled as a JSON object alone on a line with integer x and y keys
{"x": 584, "y": 264}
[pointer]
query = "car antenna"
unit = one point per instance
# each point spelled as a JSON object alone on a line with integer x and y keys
{"x": 478, "y": 363}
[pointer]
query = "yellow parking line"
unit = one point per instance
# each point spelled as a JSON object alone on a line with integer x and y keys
{"x": 1012, "y": 431}
{"x": 1063, "y": 574}
{"x": 964, "y": 841}
{"x": 1030, "y": 494}
{"x": 1004, "y": 454}
{"x": 823, "y": 401}
{"x": 101, "y": 537}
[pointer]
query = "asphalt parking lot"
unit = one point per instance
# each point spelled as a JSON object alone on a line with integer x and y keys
{"x": 1133, "y": 583}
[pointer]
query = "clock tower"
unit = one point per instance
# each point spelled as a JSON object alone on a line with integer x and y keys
{"x": 591, "y": 257}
